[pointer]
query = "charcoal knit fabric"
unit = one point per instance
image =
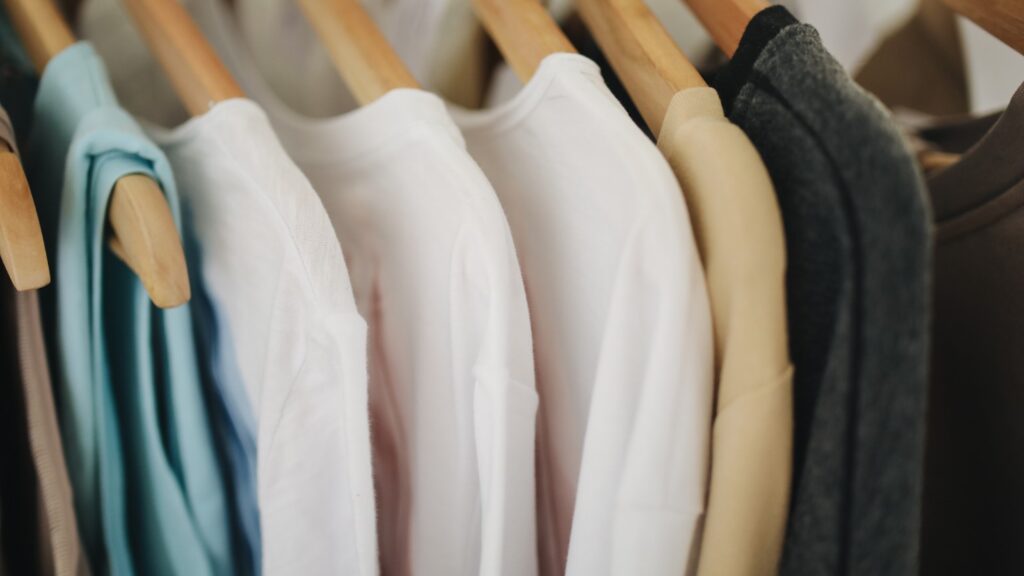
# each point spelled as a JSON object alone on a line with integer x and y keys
{"x": 858, "y": 240}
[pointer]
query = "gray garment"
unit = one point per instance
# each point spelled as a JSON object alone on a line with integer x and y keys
{"x": 858, "y": 240}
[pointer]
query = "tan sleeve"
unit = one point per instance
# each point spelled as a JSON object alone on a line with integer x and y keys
{"x": 739, "y": 233}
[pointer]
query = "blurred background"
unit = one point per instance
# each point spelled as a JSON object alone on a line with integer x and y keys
{"x": 917, "y": 56}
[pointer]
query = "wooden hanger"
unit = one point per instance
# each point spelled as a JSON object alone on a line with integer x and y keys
{"x": 646, "y": 59}
{"x": 21, "y": 239}
{"x": 198, "y": 76}
{"x": 1004, "y": 19}
{"x": 524, "y": 31}
{"x": 144, "y": 234}
{"x": 726, "y": 20}
{"x": 367, "y": 62}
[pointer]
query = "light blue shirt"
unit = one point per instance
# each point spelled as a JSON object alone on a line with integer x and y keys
{"x": 149, "y": 494}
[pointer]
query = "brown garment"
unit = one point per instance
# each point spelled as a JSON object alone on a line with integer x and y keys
{"x": 973, "y": 519}
{"x": 920, "y": 66}
{"x": 40, "y": 530}
{"x": 738, "y": 228}
{"x": 939, "y": 145}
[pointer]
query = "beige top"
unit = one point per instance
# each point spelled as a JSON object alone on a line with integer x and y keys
{"x": 739, "y": 232}
{"x": 60, "y": 547}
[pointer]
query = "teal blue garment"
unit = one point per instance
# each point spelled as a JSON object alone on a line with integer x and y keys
{"x": 148, "y": 490}
{"x": 234, "y": 422}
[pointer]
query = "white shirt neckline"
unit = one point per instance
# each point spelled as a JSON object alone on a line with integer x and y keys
{"x": 518, "y": 107}
{"x": 335, "y": 139}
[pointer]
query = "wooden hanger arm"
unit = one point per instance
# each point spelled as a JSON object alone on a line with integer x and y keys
{"x": 145, "y": 238}
{"x": 195, "y": 71}
{"x": 42, "y": 29}
{"x": 726, "y": 20}
{"x": 44, "y": 34}
{"x": 643, "y": 55}
{"x": 21, "y": 239}
{"x": 524, "y": 31}
{"x": 363, "y": 56}
{"x": 144, "y": 234}
{"x": 1004, "y": 19}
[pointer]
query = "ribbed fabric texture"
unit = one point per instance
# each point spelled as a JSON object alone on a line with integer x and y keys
{"x": 857, "y": 239}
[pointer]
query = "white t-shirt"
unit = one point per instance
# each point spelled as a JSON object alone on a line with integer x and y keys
{"x": 273, "y": 266}
{"x": 271, "y": 262}
{"x": 434, "y": 271}
{"x": 621, "y": 323}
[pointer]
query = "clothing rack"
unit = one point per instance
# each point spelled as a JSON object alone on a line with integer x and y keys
{"x": 574, "y": 313}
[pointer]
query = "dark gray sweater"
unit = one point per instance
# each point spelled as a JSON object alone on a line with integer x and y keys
{"x": 857, "y": 235}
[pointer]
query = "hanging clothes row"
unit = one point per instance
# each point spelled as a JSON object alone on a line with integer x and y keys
{"x": 452, "y": 287}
